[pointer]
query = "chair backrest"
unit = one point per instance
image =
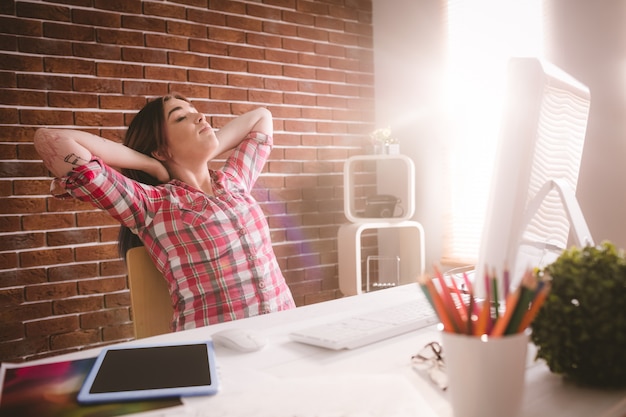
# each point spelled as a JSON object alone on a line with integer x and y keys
{"x": 149, "y": 295}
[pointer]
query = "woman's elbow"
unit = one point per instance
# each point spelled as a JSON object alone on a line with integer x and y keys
{"x": 42, "y": 135}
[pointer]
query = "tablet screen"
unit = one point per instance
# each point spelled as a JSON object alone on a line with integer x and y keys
{"x": 155, "y": 371}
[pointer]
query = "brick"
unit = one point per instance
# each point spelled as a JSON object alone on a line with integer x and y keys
{"x": 207, "y": 17}
{"x": 93, "y": 17}
{"x": 119, "y": 37}
{"x": 121, "y": 102}
{"x": 25, "y": 98}
{"x": 280, "y": 56}
{"x": 267, "y": 13}
{"x": 299, "y": 45}
{"x": 187, "y": 60}
{"x": 159, "y": 41}
{"x": 243, "y": 22}
{"x": 52, "y": 326}
{"x": 185, "y": 29}
{"x": 45, "y": 257}
{"x": 95, "y": 252}
{"x": 226, "y": 35}
{"x": 145, "y": 88}
{"x": 125, "y": 6}
{"x": 18, "y": 349}
{"x": 77, "y": 338}
{"x": 44, "y": 82}
{"x": 98, "y": 51}
{"x": 71, "y": 305}
{"x": 68, "y": 31}
{"x": 351, "y": 13}
{"x": 9, "y": 223}
{"x": 43, "y": 11}
{"x": 8, "y": 79}
{"x": 304, "y": 19}
{"x": 97, "y": 85}
{"x": 72, "y": 100}
{"x": 69, "y": 66}
{"x": 232, "y": 94}
{"x": 278, "y": 28}
{"x": 44, "y": 46}
{"x": 335, "y": 23}
{"x": 48, "y": 221}
{"x": 23, "y": 205}
{"x": 22, "y": 241}
{"x": 11, "y": 296}
{"x": 265, "y": 68}
{"x": 9, "y": 115}
{"x": 113, "y": 266}
{"x": 50, "y": 291}
{"x": 118, "y": 70}
{"x": 71, "y": 237}
{"x": 205, "y": 46}
{"x": 20, "y": 62}
{"x": 102, "y": 285}
{"x": 118, "y": 299}
{"x": 8, "y": 43}
{"x": 104, "y": 318}
{"x": 16, "y": 169}
{"x": 25, "y": 312}
{"x": 165, "y": 73}
{"x": 144, "y": 55}
{"x": 164, "y": 10}
{"x": 146, "y": 23}
{"x": 313, "y": 33}
{"x": 15, "y": 277}
{"x": 190, "y": 91}
{"x": 91, "y": 118}
{"x": 11, "y": 331}
{"x": 124, "y": 331}
{"x": 20, "y": 26}
{"x": 73, "y": 272}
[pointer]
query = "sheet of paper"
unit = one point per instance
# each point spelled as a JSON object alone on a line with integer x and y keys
{"x": 366, "y": 395}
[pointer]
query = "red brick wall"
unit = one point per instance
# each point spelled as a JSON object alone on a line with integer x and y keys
{"x": 91, "y": 64}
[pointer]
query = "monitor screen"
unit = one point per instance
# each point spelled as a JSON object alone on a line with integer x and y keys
{"x": 532, "y": 203}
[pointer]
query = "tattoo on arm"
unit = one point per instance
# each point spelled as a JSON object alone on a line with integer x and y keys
{"x": 74, "y": 159}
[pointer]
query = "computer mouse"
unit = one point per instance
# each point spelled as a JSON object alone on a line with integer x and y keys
{"x": 241, "y": 340}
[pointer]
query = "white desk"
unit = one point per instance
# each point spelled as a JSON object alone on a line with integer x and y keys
{"x": 294, "y": 374}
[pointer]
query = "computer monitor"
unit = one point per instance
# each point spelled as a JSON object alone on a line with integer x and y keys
{"x": 532, "y": 202}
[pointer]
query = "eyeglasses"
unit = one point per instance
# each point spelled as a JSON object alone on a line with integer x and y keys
{"x": 430, "y": 361}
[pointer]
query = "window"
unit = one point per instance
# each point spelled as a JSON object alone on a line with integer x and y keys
{"x": 482, "y": 35}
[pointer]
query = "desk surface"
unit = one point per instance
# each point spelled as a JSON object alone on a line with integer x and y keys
{"x": 287, "y": 378}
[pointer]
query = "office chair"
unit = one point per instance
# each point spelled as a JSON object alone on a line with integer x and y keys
{"x": 149, "y": 295}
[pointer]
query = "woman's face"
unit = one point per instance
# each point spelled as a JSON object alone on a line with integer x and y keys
{"x": 189, "y": 135}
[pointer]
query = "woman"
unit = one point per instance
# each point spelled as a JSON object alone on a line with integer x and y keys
{"x": 203, "y": 229}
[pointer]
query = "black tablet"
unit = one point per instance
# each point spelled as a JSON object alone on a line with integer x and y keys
{"x": 151, "y": 371}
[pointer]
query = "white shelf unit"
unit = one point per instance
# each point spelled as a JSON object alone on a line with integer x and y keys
{"x": 395, "y": 174}
{"x": 408, "y": 237}
{"x": 396, "y": 236}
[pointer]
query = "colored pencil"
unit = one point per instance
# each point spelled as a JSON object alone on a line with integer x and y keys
{"x": 530, "y": 315}
{"x": 501, "y": 324}
{"x": 528, "y": 287}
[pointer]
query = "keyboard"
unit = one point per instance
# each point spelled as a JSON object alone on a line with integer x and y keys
{"x": 363, "y": 329}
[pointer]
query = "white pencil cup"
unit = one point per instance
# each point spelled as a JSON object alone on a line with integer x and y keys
{"x": 485, "y": 376}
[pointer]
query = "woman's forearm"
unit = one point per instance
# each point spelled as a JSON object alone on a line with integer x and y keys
{"x": 231, "y": 135}
{"x": 64, "y": 149}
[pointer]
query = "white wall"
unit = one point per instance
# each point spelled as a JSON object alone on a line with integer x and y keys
{"x": 408, "y": 54}
{"x": 586, "y": 39}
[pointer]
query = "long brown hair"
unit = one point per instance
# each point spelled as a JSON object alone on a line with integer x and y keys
{"x": 146, "y": 134}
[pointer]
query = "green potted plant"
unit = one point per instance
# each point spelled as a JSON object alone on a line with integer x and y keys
{"x": 581, "y": 329}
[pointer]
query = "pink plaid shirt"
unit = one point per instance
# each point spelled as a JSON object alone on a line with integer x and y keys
{"x": 214, "y": 251}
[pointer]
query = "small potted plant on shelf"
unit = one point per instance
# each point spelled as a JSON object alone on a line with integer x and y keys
{"x": 383, "y": 142}
{"x": 581, "y": 329}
